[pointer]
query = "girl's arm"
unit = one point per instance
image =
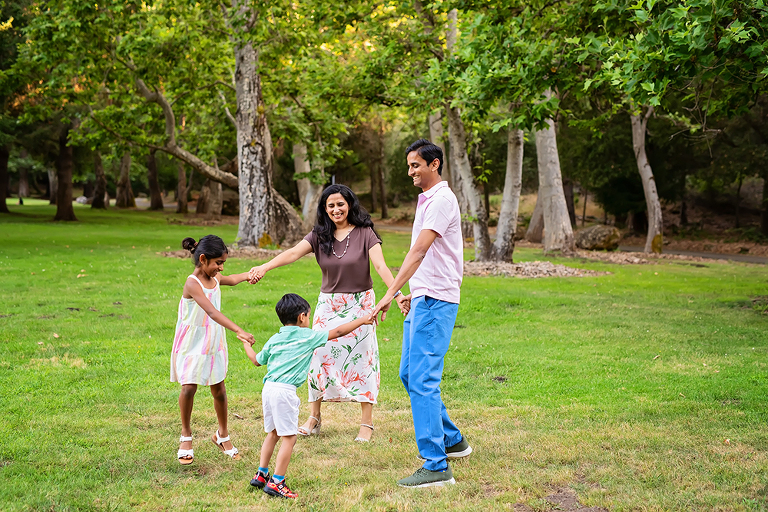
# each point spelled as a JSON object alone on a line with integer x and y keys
{"x": 250, "y": 353}
{"x": 233, "y": 279}
{"x": 194, "y": 290}
{"x": 376, "y": 256}
{"x": 286, "y": 258}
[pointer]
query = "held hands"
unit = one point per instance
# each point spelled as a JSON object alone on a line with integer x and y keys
{"x": 255, "y": 274}
{"x": 246, "y": 337}
{"x": 404, "y": 303}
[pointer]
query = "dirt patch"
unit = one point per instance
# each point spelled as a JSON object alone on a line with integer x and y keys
{"x": 627, "y": 258}
{"x": 224, "y": 220}
{"x": 710, "y": 245}
{"x": 528, "y": 269}
{"x": 247, "y": 253}
{"x": 564, "y": 498}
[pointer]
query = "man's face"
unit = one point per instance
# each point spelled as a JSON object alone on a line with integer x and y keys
{"x": 423, "y": 174}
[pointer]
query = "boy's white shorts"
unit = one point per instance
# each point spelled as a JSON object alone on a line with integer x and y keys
{"x": 281, "y": 408}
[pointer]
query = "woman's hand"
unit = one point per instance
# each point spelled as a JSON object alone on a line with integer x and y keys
{"x": 404, "y": 303}
{"x": 255, "y": 274}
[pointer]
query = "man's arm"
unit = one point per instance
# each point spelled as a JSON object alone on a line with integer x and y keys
{"x": 410, "y": 265}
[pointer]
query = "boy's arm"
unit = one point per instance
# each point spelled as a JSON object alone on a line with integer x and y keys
{"x": 250, "y": 353}
{"x": 233, "y": 279}
{"x": 347, "y": 328}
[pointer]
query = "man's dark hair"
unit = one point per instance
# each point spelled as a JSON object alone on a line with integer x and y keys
{"x": 428, "y": 151}
{"x": 290, "y": 307}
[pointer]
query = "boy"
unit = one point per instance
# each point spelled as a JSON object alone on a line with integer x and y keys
{"x": 287, "y": 355}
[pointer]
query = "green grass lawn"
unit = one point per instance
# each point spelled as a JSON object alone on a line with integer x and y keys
{"x": 623, "y": 387}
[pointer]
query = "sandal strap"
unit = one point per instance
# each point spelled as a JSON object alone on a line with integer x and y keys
{"x": 185, "y": 453}
{"x": 231, "y": 452}
{"x": 316, "y": 419}
{"x": 366, "y": 425}
{"x": 220, "y": 439}
{"x": 183, "y": 439}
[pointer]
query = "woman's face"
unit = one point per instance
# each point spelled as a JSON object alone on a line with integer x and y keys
{"x": 337, "y": 209}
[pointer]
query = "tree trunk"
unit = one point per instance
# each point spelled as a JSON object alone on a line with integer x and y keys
{"x": 558, "y": 234}
{"x": 211, "y": 200}
{"x": 53, "y": 186}
{"x": 100, "y": 196}
{"x": 374, "y": 173}
{"x": 535, "y": 232}
{"x": 125, "y": 197}
{"x": 265, "y": 216}
{"x": 309, "y": 193}
{"x": 380, "y": 171}
{"x": 181, "y": 188}
{"x": 23, "y": 176}
{"x": 155, "y": 197}
{"x": 437, "y": 136}
{"x": 504, "y": 245}
{"x": 469, "y": 187}
{"x": 568, "y": 193}
{"x": 65, "y": 164}
{"x": 4, "y": 156}
{"x": 764, "y": 212}
{"x": 585, "y": 193}
{"x": 654, "y": 240}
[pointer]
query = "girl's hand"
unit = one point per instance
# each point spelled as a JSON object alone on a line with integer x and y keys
{"x": 246, "y": 337}
{"x": 255, "y": 274}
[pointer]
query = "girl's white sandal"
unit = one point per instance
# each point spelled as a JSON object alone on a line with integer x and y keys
{"x": 184, "y": 453}
{"x": 218, "y": 440}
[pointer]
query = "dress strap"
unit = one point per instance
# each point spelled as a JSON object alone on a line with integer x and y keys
{"x": 193, "y": 276}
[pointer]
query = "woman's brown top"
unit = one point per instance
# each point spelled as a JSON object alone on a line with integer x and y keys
{"x": 350, "y": 271}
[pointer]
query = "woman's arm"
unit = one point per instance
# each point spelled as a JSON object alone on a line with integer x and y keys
{"x": 285, "y": 258}
{"x": 233, "y": 279}
{"x": 194, "y": 290}
{"x": 376, "y": 256}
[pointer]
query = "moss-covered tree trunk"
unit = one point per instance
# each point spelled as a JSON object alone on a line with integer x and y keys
{"x": 65, "y": 165}
{"x": 125, "y": 197}
{"x": 100, "y": 197}
{"x": 155, "y": 197}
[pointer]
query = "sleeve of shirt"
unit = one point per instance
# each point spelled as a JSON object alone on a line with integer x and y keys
{"x": 312, "y": 239}
{"x": 263, "y": 357}
{"x": 437, "y": 216}
{"x": 371, "y": 239}
{"x": 319, "y": 339}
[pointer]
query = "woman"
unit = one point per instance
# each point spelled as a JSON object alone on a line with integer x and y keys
{"x": 344, "y": 243}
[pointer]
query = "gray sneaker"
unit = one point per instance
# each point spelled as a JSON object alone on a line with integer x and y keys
{"x": 457, "y": 451}
{"x": 426, "y": 478}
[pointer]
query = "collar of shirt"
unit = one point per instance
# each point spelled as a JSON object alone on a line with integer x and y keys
{"x": 289, "y": 328}
{"x": 432, "y": 191}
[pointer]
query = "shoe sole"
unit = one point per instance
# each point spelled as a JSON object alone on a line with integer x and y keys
{"x": 257, "y": 484}
{"x": 457, "y": 455}
{"x": 441, "y": 483}
{"x": 276, "y": 494}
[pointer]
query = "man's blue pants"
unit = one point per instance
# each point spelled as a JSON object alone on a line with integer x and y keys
{"x": 426, "y": 336}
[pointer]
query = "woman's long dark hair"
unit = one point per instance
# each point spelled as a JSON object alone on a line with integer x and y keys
{"x": 324, "y": 226}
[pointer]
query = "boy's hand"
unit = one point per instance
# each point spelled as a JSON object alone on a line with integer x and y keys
{"x": 246, "y": 337}
{"x": 368, "y": 319}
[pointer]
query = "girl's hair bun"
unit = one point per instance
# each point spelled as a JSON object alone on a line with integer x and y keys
{"x": 189, "y": 244}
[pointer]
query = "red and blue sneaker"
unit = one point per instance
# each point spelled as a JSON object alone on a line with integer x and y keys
{"x": 260, "y": 479}
{"x": 279, "y": 489}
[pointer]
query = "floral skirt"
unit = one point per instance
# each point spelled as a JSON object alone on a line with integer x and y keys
{"x": 346, "y": 369}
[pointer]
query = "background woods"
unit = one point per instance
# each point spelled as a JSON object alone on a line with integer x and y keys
{"x": 250, "y": 110}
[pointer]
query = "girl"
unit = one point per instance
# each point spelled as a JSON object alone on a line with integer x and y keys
{"x": 200, "y": 346}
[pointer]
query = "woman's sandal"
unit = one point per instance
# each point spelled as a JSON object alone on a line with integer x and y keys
{"x": 362, "y": 439}
{"x": 218, "y": 441}
{"x": 314, "y": 430}
{"x": 186, "y": 456}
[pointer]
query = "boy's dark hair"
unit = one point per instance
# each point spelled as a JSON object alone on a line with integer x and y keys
{"x": 324, "y": 226}
{"x": 428, "y": 151}
{"x": 290, "y": 307}
{"x": 210, "y": 245}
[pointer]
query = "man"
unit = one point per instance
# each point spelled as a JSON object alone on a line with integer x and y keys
{"x": 434, "y": 269}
